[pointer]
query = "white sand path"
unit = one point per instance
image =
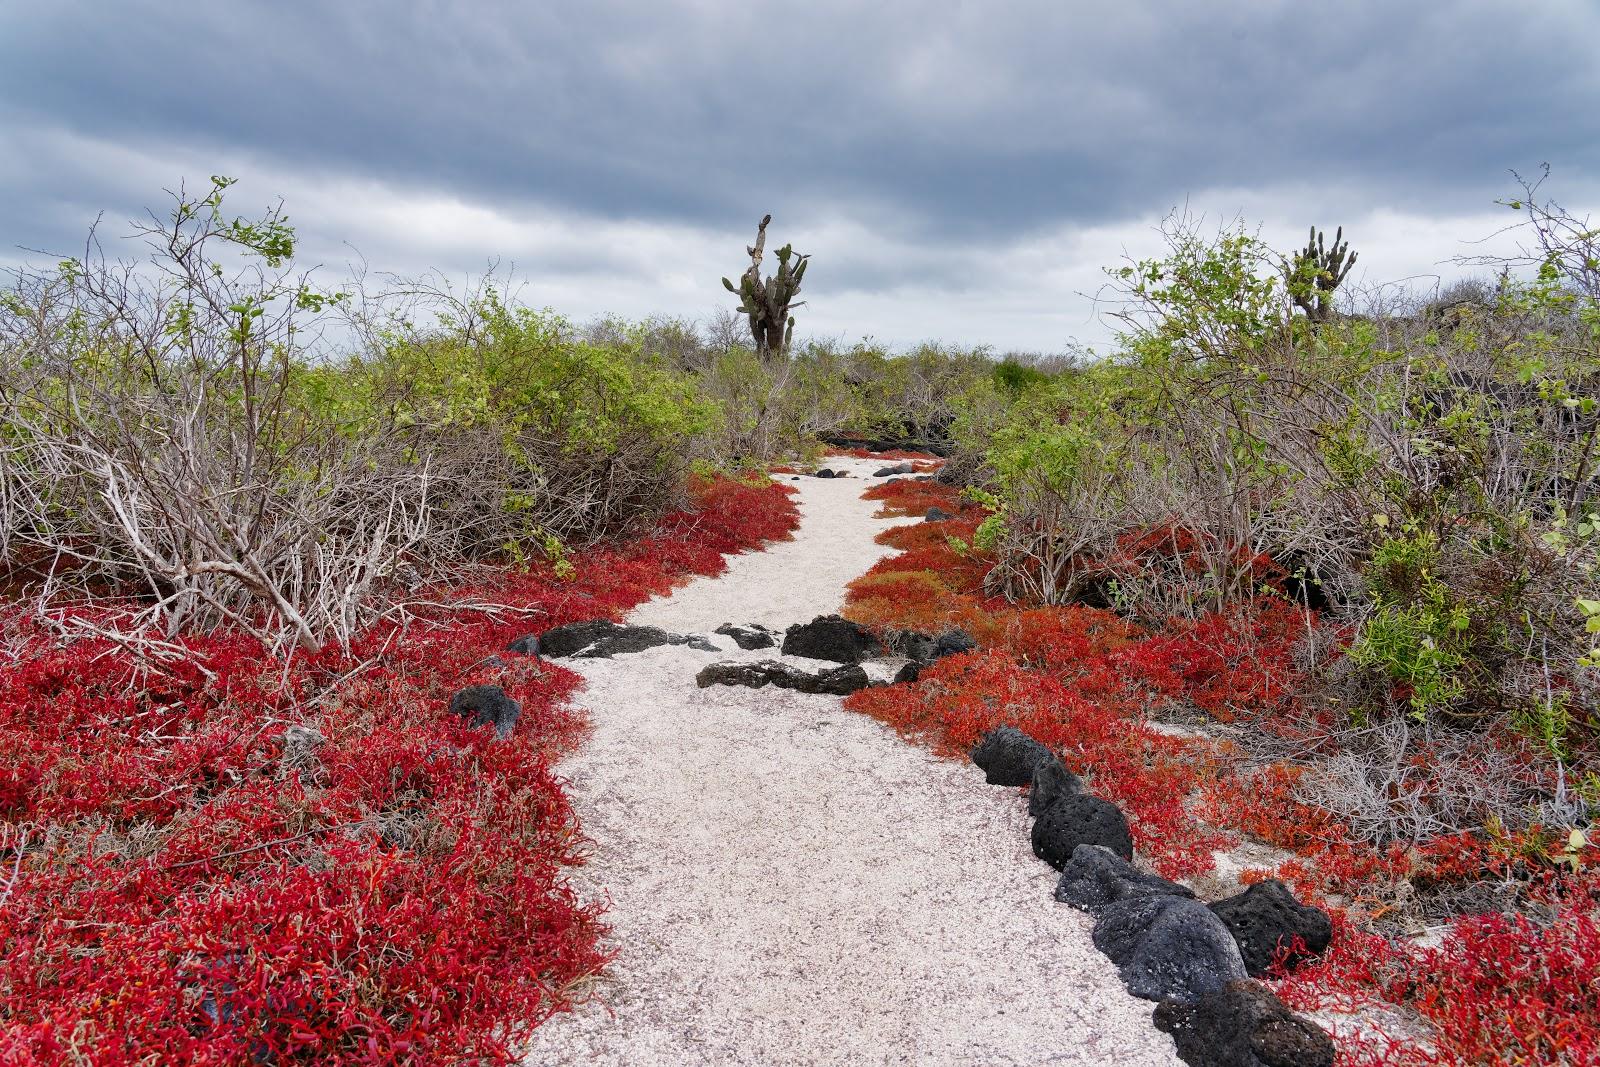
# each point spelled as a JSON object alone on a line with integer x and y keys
{"x": 791, "y": 883}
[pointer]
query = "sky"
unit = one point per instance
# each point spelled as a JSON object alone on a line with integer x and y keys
{"x": 959, "y": 171}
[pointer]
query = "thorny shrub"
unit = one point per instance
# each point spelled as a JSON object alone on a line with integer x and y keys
{"x": 181, "y": 883}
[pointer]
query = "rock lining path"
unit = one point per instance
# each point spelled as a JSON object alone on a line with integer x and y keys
{"x": 791, "y": 883}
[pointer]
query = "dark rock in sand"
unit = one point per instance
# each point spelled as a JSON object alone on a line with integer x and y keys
{"x": 910, "y": 672}
{"x": 602, "y": 639}
{"x": 750, "y": 636}
{"x": 898, "y": 468}
{"x": 1080, "y": 819}
{"x": 937, "y": 514}
{"x": 1051, "y": 782}
{"x": 1244, "y": 1025}
{"x": 838, "y": 681}
{"x": 574, "y": 637}
{"x": 825, "y": 473}
{"x": 829, "y": 637}
{"x": 1167, "y": 947}
{"x": 486, "y": 705}
{"x": 1267, "y": 915}
{"x": 1009, "y": 757}
{"x": 527, "y": 645}
{"x": 1096, "y": 877}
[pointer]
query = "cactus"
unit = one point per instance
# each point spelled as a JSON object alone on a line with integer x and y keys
{"x": 1316, "y": 272}
{"x": 768, "y": 303}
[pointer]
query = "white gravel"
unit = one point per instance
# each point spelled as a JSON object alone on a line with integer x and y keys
{"x": 791, "y": 883}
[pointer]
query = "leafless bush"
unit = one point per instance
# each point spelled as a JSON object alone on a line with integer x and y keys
{"x": 1380, "y": 783}
{"x": 155, "y": 445}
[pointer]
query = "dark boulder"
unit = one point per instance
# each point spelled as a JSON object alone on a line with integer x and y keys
{"x": 1008, "y": 756}
{"x": 922, "y": 648}
{"x": 574, "y": 637}
{"x": 837, "y": 681}
{"x": 910, "y": 672}
{"x": 826, "y": 473}
{"x": 750, "y": 636}
{"x": 601, "y": 639}
{"x": 486, "y": 705}
{"x": 1096, "y": 877}
{"x": 1080, "y": 819}
{"x": 1265, "y": 917}
{"x": 829, "y": 637}
{"x": 1244, "y": 1025}
{"x": 925, "y": 648}
{"x": 527, "y": 645}
{"x": 953, "y": 642}
{"x": 898, "y": 468}
{"x": 1051, "y": 782}
{"x": 937, "y": 514}
{"x": 1167, "y": 947}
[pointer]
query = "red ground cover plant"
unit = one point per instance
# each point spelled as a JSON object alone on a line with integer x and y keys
{"x": 1498, "y": 990}
{"x": 914, "y": 498}
{"x": 919, "y": 460}
{"x": 180, "y": 885}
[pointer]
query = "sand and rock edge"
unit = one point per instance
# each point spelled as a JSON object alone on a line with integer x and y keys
{"x": 791, "y": 883}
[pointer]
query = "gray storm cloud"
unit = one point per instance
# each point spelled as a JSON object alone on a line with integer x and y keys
{"x": 931, "y": 150}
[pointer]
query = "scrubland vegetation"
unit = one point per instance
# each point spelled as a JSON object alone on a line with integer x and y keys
{"x": 1316, "y": 581}
{"x": 1293, "y": 567}
{"x": 247, "y": 565}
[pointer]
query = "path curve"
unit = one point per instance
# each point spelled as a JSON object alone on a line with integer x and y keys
{"x": 791, "y": 883}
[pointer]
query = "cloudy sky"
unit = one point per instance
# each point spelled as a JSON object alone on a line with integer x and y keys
{"x": 960, "y": 170}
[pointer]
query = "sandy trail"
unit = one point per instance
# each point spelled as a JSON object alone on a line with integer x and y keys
{"x": 792, "y": 883}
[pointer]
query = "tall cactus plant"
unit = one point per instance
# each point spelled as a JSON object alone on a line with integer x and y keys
{"x": 1317, "y": 271}
{"x": 768, "y": 303}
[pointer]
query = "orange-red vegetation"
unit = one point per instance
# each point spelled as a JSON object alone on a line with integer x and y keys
{"x": 180, "y": 886}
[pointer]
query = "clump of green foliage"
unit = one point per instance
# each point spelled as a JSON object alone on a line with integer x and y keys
{"x": 1422, "y": 475}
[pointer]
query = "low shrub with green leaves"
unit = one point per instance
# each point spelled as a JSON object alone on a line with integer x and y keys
{"x": 1422, "y": 477}
{"x": 221, "y": 443}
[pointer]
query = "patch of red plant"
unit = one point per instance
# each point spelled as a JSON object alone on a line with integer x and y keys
{"x": 923, "y": 460}
{"x": 1499, "y": 990}
{"x": 176, "y": 889}
{"x": 905, "y": 497}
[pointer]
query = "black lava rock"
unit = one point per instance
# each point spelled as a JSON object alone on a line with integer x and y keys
{"x": 1080, "y": 819}
{"x": 1167, "y": 947}
{"x": 1244, "y": 1025}
{"x": 889, "y": 472}
{"x": 829, "y": 637}
{"x": 1267, "y": 915}
{"x": 1096, "y": 877}
{"x": 910, "y": 672}
{"x": 1051, "y": 782}
{"x": 527, "y": 645}
{"x": 921, "y": 648}
{"x": 826, "y": 473}
{"x": 1009, "y": 757}
{"x": 925, "y": 648}
{"x": 486, "y": 705}
{"x": 937, "y": 514}
{"x": 749, "y": 637}
{"x": 952, "y": 642}
{"x": 574, "y": 637}
{"x": 838, "y": 681}
{"x": 602, "y": 639}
